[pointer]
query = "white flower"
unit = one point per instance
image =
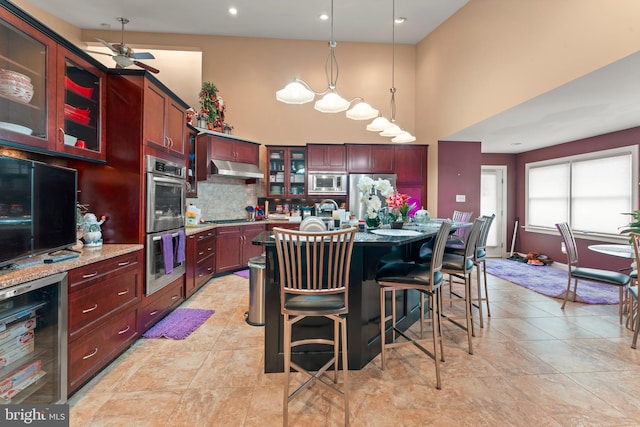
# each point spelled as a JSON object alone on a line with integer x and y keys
{"x": 371, "y": 200}
{"x": 365, "y": 184}
{"x": 384, "y": 187}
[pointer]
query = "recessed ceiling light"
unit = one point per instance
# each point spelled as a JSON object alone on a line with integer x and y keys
{"x": 233, "y": 11}
{"x": 105, "y": 25}
{"x": 324, "y": 17}
{"x": 400, "y": 20}
{"x": 516, "y": 143}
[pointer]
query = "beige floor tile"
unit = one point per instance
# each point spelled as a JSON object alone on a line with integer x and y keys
{"x": 533, "y": 364}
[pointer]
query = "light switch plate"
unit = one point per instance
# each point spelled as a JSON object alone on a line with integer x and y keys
{"x": 461, "y": 198}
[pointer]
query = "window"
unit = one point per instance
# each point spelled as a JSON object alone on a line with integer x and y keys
{"x": 589, "y": 191}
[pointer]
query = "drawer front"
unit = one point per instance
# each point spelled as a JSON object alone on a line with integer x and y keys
{"x": 205, "y": 247}
{"x": 160, "y": 304}
{"x": 89, "y": 274}
{"x": 93, "y": 303}
{"x": 91, "y": 352}
{"x": 204, "y": 270}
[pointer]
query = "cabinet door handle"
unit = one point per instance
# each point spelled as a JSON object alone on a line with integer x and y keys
{"x": 86, "y": 276}
{"x": 170, "y": 142}
{"x": 124, "y": 330}
{"x": 123, "y": 292}
{"x": 153, "y": 313}
{"x": 87, "y": 310}
{"x": 93, "y": 353}
{"x": 201, "y": 253}
{"x": 175, "y": 297}
{"x": 122, "y": 264}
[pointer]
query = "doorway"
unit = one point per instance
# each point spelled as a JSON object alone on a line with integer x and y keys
{"x": 493, "y": 187}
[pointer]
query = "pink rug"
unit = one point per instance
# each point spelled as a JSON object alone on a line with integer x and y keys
{"x": 179, "y": 324}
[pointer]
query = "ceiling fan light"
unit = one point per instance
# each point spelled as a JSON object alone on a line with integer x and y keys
{"x": 331, "y": 103}
{"x": 393, "y": 130}
{"x": 403, "y": 137}
{"x": 295, "y": 93}
{"x": 362, "y": 111}
{"x": 379, "y": 124}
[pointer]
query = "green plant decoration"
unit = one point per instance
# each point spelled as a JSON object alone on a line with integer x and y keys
{"x": 634, "y": 224}
{"x": 209, "y": 103}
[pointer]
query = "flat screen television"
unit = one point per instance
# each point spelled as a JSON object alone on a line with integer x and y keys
{"x": 37, "y": 208}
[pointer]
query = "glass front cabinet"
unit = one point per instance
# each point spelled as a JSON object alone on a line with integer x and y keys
{"x": 50, "y": 97}
{"x": 287, "y": 171}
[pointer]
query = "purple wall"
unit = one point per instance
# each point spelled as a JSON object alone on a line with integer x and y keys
{"x": 459, "y": 169}
{"x": 458, "y": 173}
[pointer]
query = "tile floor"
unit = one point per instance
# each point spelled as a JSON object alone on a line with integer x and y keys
{"x": 533, "y": 365}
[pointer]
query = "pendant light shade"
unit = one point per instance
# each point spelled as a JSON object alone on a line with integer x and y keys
{"x": 331, "y": 103}
{"x": 362, "y": 111}
{"x": 403, "y": 137}
{"x": 393, "y": 130}
{"x": 295, "y": 93}
{"x": 379, "y": 124}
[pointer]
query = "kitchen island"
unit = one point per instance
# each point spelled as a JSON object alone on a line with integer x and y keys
{"x": 363, "y": 320}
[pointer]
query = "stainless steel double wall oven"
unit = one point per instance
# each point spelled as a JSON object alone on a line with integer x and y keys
{"x": 166, "y": 188}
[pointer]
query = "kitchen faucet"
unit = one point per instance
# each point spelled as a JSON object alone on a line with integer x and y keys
{"x": 331, "y": 201}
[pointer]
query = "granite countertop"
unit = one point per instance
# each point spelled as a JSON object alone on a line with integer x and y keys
{"x": 35, "y": 268}
{"x": 190, "y": 230}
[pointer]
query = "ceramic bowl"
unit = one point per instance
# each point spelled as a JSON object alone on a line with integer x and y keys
{"x": 15, "y": 128}
{"x": 15, "y": 89}
{"x": 14, "y": 75}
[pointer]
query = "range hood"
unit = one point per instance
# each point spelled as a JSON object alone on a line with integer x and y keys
{"x": 235, "y": 169}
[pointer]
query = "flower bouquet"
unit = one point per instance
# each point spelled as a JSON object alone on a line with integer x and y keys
{"x": 369, "y": 190}
{"x": 399, "y": 206}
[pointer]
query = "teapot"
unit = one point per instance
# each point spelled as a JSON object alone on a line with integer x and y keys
{"x": 422, "y": 216}
{"x": 91, "y": 228}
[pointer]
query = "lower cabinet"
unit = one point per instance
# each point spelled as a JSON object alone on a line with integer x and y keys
{"x": 161, "y": 303}
{"x": 234, "y": 248}
{"x": 200, "y": 262}
{"x": 104, "y": 299}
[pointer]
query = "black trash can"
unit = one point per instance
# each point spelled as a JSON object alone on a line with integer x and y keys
{"x": 257, "y": 266}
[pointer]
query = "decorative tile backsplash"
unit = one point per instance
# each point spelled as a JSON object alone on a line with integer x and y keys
{"x": 226, "y": 198}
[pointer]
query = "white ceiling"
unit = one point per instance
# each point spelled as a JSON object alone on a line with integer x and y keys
{"x": 354, "y": 20}
{"x": 601, "y": 102}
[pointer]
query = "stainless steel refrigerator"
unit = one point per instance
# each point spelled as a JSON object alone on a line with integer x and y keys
{"x": 356, "y": 207}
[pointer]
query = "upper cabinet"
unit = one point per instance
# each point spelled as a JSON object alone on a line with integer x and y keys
{"x": 370, "y": 158}
{"x": 50, "y": 94}
{"x": 287, "y": 166}
{"x": 411, "y": 164}
{"x": 234, "y": 150}
{"x": 165, "y": 119}
{"x": 325, "y": 157}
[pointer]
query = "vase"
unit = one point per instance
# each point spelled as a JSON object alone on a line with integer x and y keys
{"x": 372, "y": 222}
{"x": 397, "y": 224}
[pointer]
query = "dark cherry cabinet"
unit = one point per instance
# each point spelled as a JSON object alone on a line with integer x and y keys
{"x": 164, "y": 121}
{"x": 51, "y": 93}
{"x": 234, "y": 247}
{"x": 364, "y": 158}
{"x": 200, "y": 260}
{"x": 234, "y": 150}
{"x": 104, "y": 300}
{"x": 287, "y": 171}
{"x": 160, "y": 303}
{"x": 326, "y": 157}
{"x": 411, "y": 164}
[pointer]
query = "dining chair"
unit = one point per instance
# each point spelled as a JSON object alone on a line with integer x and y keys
{"x": 314, "y": 271}
{"x": 575, "y": 272}
{"x": 461, "y": 266}
{"x": 634, "y": 306}
{"x": 455, "y": 240}
{"x": 426, "y": 279}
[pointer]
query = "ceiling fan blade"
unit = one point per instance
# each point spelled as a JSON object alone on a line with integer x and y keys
{"x": 98, "y": 53}
{"x": 104, "y": 42}
{"x": 122, "y": 60}
{"x": 146, "y": 67}
{"x": 142, "y": 55}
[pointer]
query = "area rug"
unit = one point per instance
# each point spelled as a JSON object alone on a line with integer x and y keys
{"x": 551, "y": 281}
{"x": 242, "y": 273}
{"x": 179, "y": 324}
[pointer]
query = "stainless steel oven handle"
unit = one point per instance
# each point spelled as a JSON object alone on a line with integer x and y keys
{"x": 156, "y": 238}
{"x": 175, "y": 181}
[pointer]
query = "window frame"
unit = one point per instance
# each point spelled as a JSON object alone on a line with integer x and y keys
{"x": 613, "y": 152}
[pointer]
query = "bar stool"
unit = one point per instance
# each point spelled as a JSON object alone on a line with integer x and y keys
{"x": 480, "y": 261}
{"x": 461, "y": 266}
{"x": 314, "y": 281}
{"x": 426, "y": 279}
{"x": 634, "y": 312}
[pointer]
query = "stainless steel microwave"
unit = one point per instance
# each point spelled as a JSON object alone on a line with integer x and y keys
{"x": 327, "y": 183}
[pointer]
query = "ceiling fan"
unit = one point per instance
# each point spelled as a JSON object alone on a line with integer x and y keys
{"x": 124, "y": 55}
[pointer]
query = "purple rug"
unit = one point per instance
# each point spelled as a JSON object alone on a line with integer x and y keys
{"x": 551, "y": 281}
{"x": 179, "y": 324}
{"x": 242, "y": 273}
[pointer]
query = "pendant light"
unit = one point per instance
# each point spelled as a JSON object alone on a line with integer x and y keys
{"x": 299, "y": 91}
{"x": 386, "y": 127}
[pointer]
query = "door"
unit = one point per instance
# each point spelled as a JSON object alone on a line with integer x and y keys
{"x": 493, "y": 200}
